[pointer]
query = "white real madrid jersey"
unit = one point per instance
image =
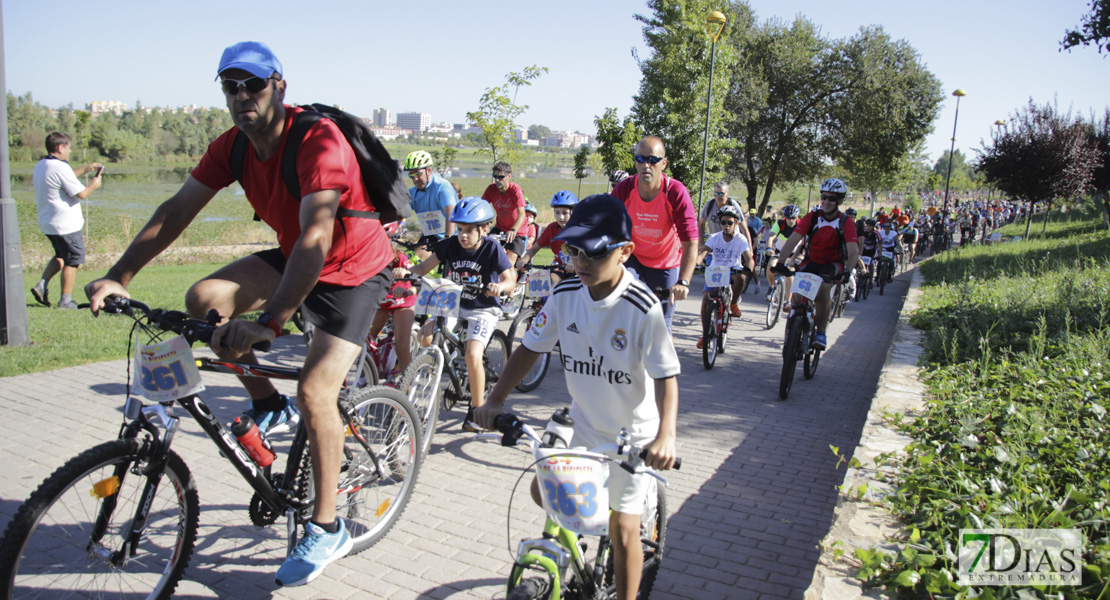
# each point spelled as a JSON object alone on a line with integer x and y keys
{"x": 613, "y": 349}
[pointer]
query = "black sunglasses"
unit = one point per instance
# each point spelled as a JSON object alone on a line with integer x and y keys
{"x": 640, "y": 158}
{"x": 830, "y": 197}
{"x": 728, "y": 223}
{"x": 253, "y": 85}
{"x": 576, "y": 252}
{"x": 499, "y": 177}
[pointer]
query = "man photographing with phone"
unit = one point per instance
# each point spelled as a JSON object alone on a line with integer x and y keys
{"x": 58, "y": 194}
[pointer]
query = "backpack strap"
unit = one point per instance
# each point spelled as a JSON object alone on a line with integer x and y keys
{"x": 238, "y": 158}
{"x": 297, "y": 132}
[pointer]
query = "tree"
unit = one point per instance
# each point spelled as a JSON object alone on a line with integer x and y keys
{"x": 1099, "y": 131}
{"x": 1041, "y": 155}
{"x": 671, "y": 101}
{"x": 538, "y": 132}
{"x": 497, "y": 113}
{"x": 880, "y": 124}
{"x": 964, "y": 177}
{"x": 444, "y": 160}
{"x": 1095, "y": 29}
{"x": 781, "y": 96}
{"x": 617, "y": 141}
{"x": 581, "y": 158}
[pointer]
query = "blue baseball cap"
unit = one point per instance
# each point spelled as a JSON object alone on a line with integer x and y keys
{"x": 598, "y": 221}
{"x": 255, "y": 58}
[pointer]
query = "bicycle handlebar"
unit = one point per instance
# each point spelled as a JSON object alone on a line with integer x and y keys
{"x": 193, "y": 330}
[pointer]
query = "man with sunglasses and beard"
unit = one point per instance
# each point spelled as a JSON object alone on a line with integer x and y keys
{"x": 337, "y": 267}
{"x": 507, "y": 199}
{"x": 664, "y": 224}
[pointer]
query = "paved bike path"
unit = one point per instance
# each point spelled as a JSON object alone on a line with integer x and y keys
{"x": 755, "y": 496}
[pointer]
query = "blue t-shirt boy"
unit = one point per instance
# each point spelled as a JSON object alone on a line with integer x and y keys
{"x": 487, "y": 262}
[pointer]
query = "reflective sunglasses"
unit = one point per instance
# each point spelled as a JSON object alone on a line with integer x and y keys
{"x": 253, "y": 85}
{"x": 415, "y": 174}
{"x": 499, "y": 177}
{"x": 576, "y": 252}
{"x": 718, "y": 193}
{"x": 654, "y": 160}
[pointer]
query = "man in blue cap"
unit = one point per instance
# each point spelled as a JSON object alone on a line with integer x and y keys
{"x": 335, "y": 268}
{"x": 620, "y": 364}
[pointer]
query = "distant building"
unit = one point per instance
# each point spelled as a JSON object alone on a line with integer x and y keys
{"x": 444, "y": 128}
{"x": 390, "y": 133}
{"x": 383, "y": 117}
{"x": 414, "y": 121}
{"x": 102, "y": 106}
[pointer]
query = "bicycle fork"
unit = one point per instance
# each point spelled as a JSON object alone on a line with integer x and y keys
{"x": 554, "y": 553}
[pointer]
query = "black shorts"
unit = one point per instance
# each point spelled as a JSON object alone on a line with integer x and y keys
{"x": 342, "y": 311}
{"x": 822, "y": 269}
{"x": 516, "y": 246}
{"x": 69, "y": 247}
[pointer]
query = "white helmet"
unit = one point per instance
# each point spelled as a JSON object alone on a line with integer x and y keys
{"x": 834, "y": 186}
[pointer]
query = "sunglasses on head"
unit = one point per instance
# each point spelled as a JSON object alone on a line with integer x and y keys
{"x": 253, "y": 85}
{"x": 576, "y": 252}
{"x": 499, "y": 177}
{"x": 654, "y": 160}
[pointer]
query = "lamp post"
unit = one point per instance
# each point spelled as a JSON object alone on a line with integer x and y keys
{"x": 998, "y": 132}
{"x": 959, "y": 93}
{"x": 718, "y": 19}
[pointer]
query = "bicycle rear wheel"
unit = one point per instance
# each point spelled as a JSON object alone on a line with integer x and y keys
{"x": 809, "y": 366}
{"x": 69, "y": 536}
{"x": 373, "y": 494}
{"x": 521, "y": 324}
{"x": 421, "y": 386}
{"x": 789, "y": 357}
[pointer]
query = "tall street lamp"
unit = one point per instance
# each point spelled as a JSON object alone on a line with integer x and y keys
{"x": 998, "y": 133}
{"x": 717, "y": 19}
{"x": 959, "y": 93}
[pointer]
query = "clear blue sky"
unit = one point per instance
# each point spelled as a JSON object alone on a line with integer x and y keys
{"x": 437, "y": 56}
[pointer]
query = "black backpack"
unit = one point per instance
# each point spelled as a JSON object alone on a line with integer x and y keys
{"x": 385, "y": 183}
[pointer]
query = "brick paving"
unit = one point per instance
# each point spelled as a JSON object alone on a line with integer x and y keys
{"x": 754, "y": 498}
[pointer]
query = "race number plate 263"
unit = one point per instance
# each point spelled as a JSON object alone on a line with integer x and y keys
{"x": 167, "y": 370}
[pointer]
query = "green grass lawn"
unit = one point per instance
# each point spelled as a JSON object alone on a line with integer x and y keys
{"x": 65, "y": 338}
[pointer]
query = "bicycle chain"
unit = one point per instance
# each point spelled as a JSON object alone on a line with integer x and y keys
{"x": 261, "y": 514}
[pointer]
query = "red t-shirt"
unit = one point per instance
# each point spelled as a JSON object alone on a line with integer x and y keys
{"x": 359, "y": 248}
{"x": 556, "y": 246}
{"x": 660, "y": 224}
{"x": 529, "y": 231}
{"x": 505, "y": 204}
{"x": 824, "y": 242}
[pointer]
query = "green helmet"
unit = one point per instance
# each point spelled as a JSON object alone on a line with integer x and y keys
{"x": 418, "y": 160}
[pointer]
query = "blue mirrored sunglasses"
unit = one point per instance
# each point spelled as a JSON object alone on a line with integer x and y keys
{"x": 640, "y": 158}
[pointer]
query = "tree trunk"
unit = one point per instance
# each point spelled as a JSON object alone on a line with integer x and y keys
{"x": 1106, "y": 205}
{"x": 1044, "y": 226}
{"x": 1029, "y": 219}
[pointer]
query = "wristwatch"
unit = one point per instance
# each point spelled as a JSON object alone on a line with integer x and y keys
{"x": 269, "y": 321}
{"x": 683, "y": 283}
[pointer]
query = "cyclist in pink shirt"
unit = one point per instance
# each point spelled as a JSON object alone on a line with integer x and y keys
{"x": 664, "y": 224}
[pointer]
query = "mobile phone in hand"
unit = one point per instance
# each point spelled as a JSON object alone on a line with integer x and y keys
{"x": 99, "y": 170}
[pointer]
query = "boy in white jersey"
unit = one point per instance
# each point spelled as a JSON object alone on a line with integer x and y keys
{"x": 729, "y": 248}
{"x": 619, "y": 361}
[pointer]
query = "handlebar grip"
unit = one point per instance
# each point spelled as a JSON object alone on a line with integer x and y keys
{"x": 677, "y": 460}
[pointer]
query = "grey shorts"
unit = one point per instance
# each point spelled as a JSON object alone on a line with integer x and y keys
{"x": 69, "y": 247}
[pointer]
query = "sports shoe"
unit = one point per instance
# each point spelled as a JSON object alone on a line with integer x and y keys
{"x": 316, "y": 550}
{"x": 275, "y": 421}
{"x": 770, "y": 294}
{"x": 734, "y": 310}
{"x": 68, "y": 305}
{"x": 756, "y": 287}
{"x": 819, "y": 341}
{"x": 701, "y": 342}
{"x": 41, "y": 294}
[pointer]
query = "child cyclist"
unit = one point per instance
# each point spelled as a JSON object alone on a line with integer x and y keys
{"x": 398, "y": 304}
{"x": 562, "y": 204}
{"x": 468, "y": 255}
{"x": 620, "y": 365}
{"x": 729, "y": 248}
{"x": 530, "y": 229}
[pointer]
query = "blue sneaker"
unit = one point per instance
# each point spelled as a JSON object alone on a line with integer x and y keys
{"x": 315, "y": 551}
{"x": 275, "y": 421}
{"x": 819, "y": 341}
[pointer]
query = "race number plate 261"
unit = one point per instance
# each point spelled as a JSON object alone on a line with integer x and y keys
{"x": 167, "y": 370}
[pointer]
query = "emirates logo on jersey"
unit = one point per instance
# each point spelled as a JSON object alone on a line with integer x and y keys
{"x": 594, "y": 365}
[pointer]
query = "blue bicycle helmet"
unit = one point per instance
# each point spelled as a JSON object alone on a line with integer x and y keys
{"x": 473, "y": 210}
{"x": 564, "y": 198}
{"x": 529, "y": 208}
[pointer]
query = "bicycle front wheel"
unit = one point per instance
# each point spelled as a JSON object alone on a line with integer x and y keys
{"x": 709, "y": 334}
{"x": 68, "y": 539}
{"x": 774, "y": 309}
{"x": 496, "y": 356}
{"x": 421, "y": 386}
{"x": 377, "y": 479}
{"x": 790, "y": 357}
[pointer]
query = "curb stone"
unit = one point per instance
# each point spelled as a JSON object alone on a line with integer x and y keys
{"x": 865, "y": 523}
